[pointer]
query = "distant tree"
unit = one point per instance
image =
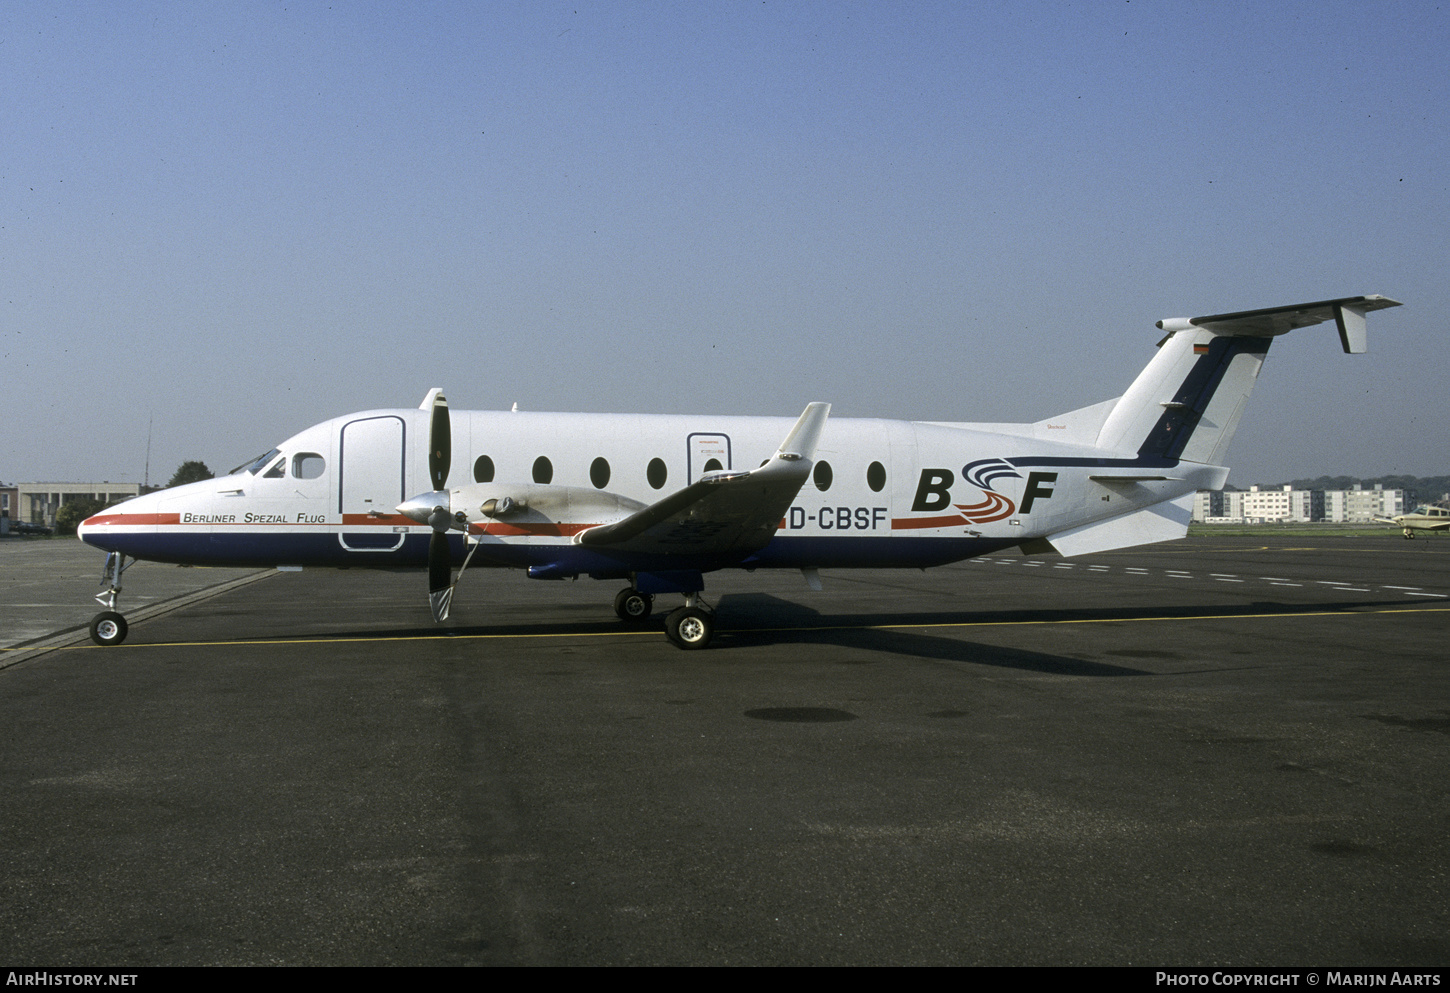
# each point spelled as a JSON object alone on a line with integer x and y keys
{"x": 72, "y": 512}
{"x": 190, "y": 472}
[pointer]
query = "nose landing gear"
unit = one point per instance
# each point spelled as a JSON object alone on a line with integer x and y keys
{"x": 109, "y": 627}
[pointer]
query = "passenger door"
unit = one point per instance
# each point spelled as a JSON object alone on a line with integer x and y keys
{"x": 371, "y": 477}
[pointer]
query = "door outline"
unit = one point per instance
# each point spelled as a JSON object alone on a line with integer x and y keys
{"x": 700, "y": 447}
{"x": 371, "y": 538}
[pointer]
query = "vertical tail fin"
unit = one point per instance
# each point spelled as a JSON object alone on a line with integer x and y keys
{"x": 1187, "y": 403}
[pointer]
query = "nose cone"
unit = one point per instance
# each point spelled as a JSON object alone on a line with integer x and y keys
{"x": 126, "y": 517}
{"x": 420, "y": 508}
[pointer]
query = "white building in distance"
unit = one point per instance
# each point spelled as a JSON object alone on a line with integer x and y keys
{"x": 1285, "y": 504}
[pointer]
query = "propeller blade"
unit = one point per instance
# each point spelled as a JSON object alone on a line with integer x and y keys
{"x": 440, "y": 444}
{"x": 440, "y": 575}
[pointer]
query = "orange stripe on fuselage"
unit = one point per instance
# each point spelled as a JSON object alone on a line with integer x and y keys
{"x": 377, "y": 520}
{"x": 131, "y": 519}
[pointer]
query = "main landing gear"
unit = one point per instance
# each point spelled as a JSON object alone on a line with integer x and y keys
{"x": 632, "y": 606}
{"x": 109, "y": 627}
{"x": 689, "y": 627}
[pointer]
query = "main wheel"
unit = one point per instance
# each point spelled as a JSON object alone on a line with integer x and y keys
{"x": 108, "y": 628}
{"x": 689, "y": 627}
{"x": 632, "y": 606}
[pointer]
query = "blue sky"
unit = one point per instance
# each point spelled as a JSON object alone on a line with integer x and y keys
{"x": 242, "y": 219}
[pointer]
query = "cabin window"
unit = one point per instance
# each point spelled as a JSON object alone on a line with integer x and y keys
{"x": 656, "y": 473}
{"x": 308, "y": 465}
{"x": 483, "y": 470}
{"x": 712, "y": 466}
{"x": 876, "y": 477}
{"x": 543, "y": 470}
{"x": 599, "y": 473}
{"x": 821, "y": 476}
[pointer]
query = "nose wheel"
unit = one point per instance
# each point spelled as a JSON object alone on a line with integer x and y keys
{"x": 108, "y": 628}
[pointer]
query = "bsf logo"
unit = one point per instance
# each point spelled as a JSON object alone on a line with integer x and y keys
{"x": 933, "y": 492}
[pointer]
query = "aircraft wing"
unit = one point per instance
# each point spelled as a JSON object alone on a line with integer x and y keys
{"x": 721, "y": 513}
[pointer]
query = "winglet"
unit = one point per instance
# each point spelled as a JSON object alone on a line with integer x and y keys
{"x": 1352, "y": 333}
{"x": 802, "y": 440}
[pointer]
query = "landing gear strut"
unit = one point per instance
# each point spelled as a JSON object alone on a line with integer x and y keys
{"x": 109, "y": 627}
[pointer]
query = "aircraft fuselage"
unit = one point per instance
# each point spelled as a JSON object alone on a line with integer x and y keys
{"x": 882, "y": 493}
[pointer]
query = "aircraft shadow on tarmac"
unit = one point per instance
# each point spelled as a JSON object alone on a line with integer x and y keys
{"x": 766, "y": 619}
{"x": 758, "y": 619}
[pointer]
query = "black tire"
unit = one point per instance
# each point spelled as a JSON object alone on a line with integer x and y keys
{"x": 690, "y": 627}
{"x": 632, "y": 606}
{"x": 108, "y": 628}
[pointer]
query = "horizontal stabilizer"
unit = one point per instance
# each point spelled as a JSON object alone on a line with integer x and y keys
{"x": 1166, "y": 521}
{"x": 1129, "y": 478}
{"x": 1346, "y": 312}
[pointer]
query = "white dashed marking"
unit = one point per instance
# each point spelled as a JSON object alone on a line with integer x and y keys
{"x": 1337, "y": 585}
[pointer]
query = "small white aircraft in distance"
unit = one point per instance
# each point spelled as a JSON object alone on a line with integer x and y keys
{"x": 1426, "y": 517}
{"x": 659, "y": 501}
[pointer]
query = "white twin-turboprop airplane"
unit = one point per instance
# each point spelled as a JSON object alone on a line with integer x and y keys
{"x": 659, "y": 501}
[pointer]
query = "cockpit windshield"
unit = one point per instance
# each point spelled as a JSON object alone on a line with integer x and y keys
{"x": 256, "y": 465}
